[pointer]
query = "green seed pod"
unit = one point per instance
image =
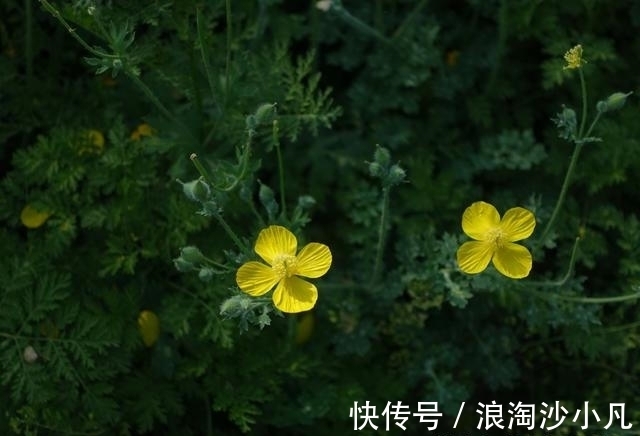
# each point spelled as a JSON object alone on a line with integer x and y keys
{"x": 205, "y": 274}
{"x": 614, "y": 102}
{"x": 192, "y": 254}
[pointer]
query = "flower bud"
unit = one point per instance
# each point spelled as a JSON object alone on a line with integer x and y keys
{"x": 396, "y": 175}
{"x": 29, "y": 354}
{"x": 196, "y": 190}
{"x": 206, "y": 274}
{"x": 192, "y": 255}
{"x": 306, "y": 202}
{"x": 614, "y": 102}
{"x": 376, "y": 170}
{"x": 382, "y": 156}
{"x": 265, "y": 113}
{"x": 182, "y": 265}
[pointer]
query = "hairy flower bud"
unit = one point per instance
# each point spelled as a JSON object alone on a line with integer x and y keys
{"x": 29, "y": 354}
{"x": 192, "y": 254}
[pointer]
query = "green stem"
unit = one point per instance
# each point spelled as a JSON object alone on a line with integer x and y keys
{"x": 586, "y": 300}
{"x": 205, "y": 58}
{"x": 200, "y": 168}
{"x": 357, "y": 23}
{"x": 563, "y": 280}
{"x": 151, "y": 96}
{"x": 230, "y": 232}
{"x": 217, "y": 265}
{"x": 563, "y": 191}
{"x": 583, "y": 87}
{"x": 416, "y": 10}
{"x": 500, "y": 47}
{"x": 53, "y": 11}
{"x": 382, "y": 230}
{"x": 283, "y": 203}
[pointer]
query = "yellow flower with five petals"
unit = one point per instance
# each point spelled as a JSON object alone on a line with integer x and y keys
{"x": 494, "y": 240}
{"x": 277, "y": 246}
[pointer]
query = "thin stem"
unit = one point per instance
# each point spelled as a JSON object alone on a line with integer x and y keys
{"x": 205, "y": 58}
{"x": 53, "y": 11}
{"x": 563, "y": 191}
{"x": 583, "y": 87}
{"x": 229, "y": 231}
{"x": 151, "y": 96}
{"x": 567, "y": 276}
{"x": 358, "y": 24}
{"x": 382, "y": 230}
{"x": 585, "y": 300}
{"x": 283, "y": 203}
{"x": 217, "y": 265}
{"x": 203, "y": 172}
{"x": 416, "y": 10}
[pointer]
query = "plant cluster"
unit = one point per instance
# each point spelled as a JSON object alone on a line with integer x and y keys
{"x": 244, "y": 217}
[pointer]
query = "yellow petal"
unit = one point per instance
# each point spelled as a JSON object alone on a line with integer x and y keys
{"x": 149, "y": 327}
{"x": 517, "y": 224}
{"x": 275, "y": 241}
{"x": 513, "y": 260}
{"x": 474, "y": 256}
{"x": 33, "y": 218}
{"x": 314, "y": 260}
{"x": 478, "y": 219}
{"x": 256, "y": 278}
{"x": 295, "y": 295}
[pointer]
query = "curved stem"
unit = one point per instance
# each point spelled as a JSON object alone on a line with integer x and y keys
{"x": 283, "y": 203}
{"x": 228, "y": 58}
{"x": 563, "y": 280}
{"x": 583, "y": 87}
{"x": 382, "y": 230}
{"x": 563, "y": 191}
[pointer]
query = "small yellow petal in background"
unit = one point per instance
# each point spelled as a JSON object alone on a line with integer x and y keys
{"x": 517, "y": 224}
{"x": 33, "y": 218}
{"x": 295, "y": 295}
{"x": 304, "y": 328}
{"x": 474, "y": 256}
{"x": 275, "y": 241}
{"x": 91, "y": 141}
{"x": 314, "y": 260}
{"x": 143, "y": 129}
{"x": 149, "y": 327}
{"x": 513, "y": 260}
{"x": 256, "y": 278}
{"x": 478, "y": 219}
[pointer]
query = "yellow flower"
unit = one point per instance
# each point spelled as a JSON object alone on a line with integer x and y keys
{"x": 277, "y": 246}
{"x": 142, "y": 130}
{"x": 91, "y": 141}
{"x": 494, "y": 240}
{"x": 149, "y": 327}
{"x": 33, "y": 218}
{"x": 574, "y": 58}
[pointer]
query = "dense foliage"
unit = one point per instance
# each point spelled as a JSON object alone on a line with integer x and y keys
{"x": 145, "y": 145}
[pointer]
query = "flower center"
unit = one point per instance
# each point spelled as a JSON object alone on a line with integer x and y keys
{"x": 284, "y": 265}
{"x": 496, "y": 236}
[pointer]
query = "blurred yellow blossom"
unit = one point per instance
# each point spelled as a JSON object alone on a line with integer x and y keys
{"x": 33, "y": 218}
{"x": 494, "y": 240}
{"x": 573, "y": 57}
{"x": 143, "y": 129}
{"x": 277, "y": 246}
{"x": 149, "y": 327}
